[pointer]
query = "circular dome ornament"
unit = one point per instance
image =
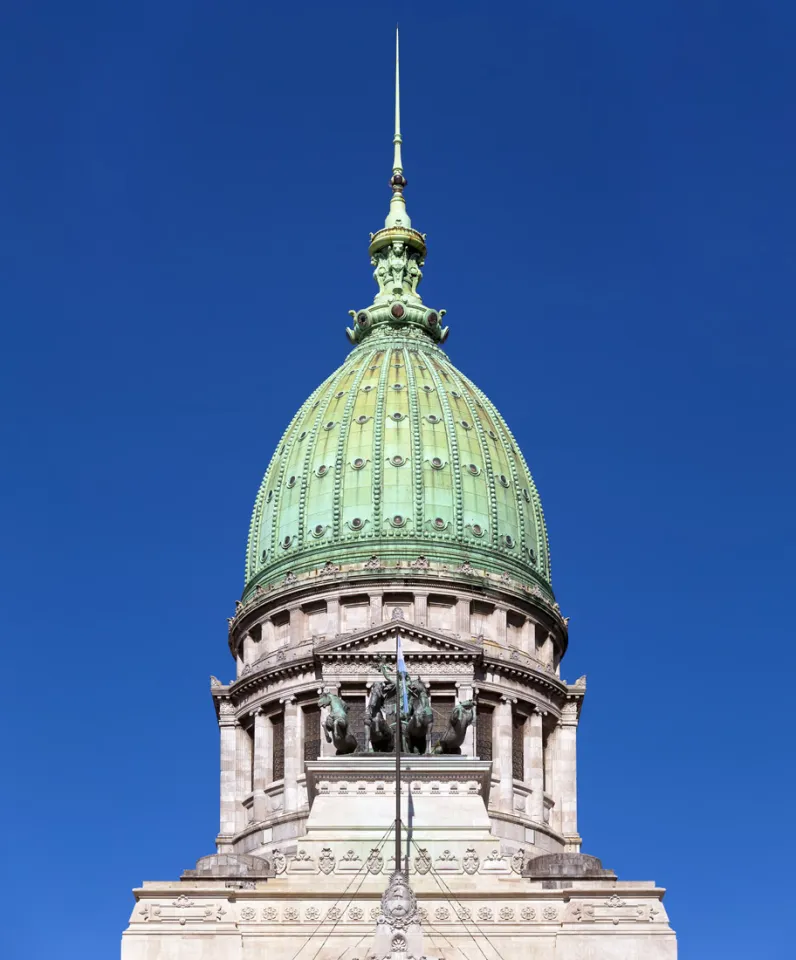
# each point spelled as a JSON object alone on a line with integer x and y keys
{"x": 397, "y": 311}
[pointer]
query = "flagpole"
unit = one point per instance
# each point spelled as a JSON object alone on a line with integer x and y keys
{"x": 398, "y": 704}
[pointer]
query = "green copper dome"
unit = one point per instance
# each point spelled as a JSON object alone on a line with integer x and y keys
{"x": 397, "y": 459}
{"x": 397, "y": 455}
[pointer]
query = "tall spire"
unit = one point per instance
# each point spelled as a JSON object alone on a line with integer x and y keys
{"x": 397, "y": 164}
{"x": 397, "y": 217}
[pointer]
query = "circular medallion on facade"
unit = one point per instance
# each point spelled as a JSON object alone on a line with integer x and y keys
{"x": 492, "y": 435}
{"x": 432, "y": 319}
{"x": 356, "y": 523}
{"x": 436, "y": 463}
{"x": 473, "y": 469}
{"x": 330, "y": 425}
{"x": 509, "y": 541}
{"x": 362, "y": 418}
{"x": 427, "y": 388}
{"x": 363, "y": 319}
{"x": 367, "y": 388}
{"x": 397, "y": 386}
{"x": 358, "y": 464}
{"x": 455, "y": 395}
{"x": 398, "y": 416}
{"x": 439, "y": 523}
{"x": 397, "y": 311}
{"x": 291, "y": 482}
{"x": 270, "y": 496}
{"x": 322, "y": 470}
{"x": 503, "y": 480}
{"x": 466, "y": 424}
{"x": 339, "y": 394}
{"x": 397, "y": 460}
{"x": 478, "y": 530}
{"x": 433, "y": 418}
{"x": 302, "y": 435}
{"x": 398, "y": 520}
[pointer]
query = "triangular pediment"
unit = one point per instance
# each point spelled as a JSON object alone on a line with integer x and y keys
{"x": 381, "y": 639}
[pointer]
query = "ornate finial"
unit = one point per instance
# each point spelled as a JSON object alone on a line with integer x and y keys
{"x": 397, "y": 253}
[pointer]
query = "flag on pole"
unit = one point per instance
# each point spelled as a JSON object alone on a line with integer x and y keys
{"x": 402, "y": 675}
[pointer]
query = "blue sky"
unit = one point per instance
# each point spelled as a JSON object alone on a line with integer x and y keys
{"x": 186, "y": 191}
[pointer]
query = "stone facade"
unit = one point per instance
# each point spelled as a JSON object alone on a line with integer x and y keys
{"x": 305, "y": 844}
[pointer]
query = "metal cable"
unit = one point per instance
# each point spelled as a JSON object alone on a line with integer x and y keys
{"x": 364, "y": 871}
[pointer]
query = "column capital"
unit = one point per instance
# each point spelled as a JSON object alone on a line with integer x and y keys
{"x": 226, "y": 713}
{"x": 507, "y": 698}
{"x": 290, "y": 699}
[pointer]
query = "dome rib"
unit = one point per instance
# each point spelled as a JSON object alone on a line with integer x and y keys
{"x": 417, "y": 443}
{"x": 453, "y": 446}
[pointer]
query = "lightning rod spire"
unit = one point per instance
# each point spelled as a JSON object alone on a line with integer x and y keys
{"x": 397, "y": 217}
{"x": 397, "y": 165}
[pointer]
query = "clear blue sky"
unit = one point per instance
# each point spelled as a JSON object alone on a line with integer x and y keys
{"x": 186, "y": 191}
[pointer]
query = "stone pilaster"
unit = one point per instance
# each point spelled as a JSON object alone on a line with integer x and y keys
{"x": 499, "y": 619}
{"x": 376, "y": 612}
{"x": 263, "y": 762}
{"x": 333, "y": 617}
{"x": 502, "y": 744}
{"x": 227, "y": 725}
{"x": 243, "y": 774}
{"x": 297, "y": 624}
{"x": 463, "y": 618}
{"x": 550, "y": 776}
{"x": 528, "y": 642}
{"x": 534, "y": 765}
{"x": 567, "y": 775}
{"x": 292, "y": 755}
{"x": 546, "y": 650}
{"x": 421, "y": 609}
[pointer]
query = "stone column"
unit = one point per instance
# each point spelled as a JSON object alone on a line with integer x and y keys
{"x": 566, "y": 771}
{"x": 534, "y": 765}
{"x": 501, "y": 738}
{"x": 227, "y": 724}
{"x": 327, "y": 749}
{"x": 292, "y": 748}
{"x": 466, "y": 691}
{"x": 263, "y": 762}
{"x": 243, "y": 773}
